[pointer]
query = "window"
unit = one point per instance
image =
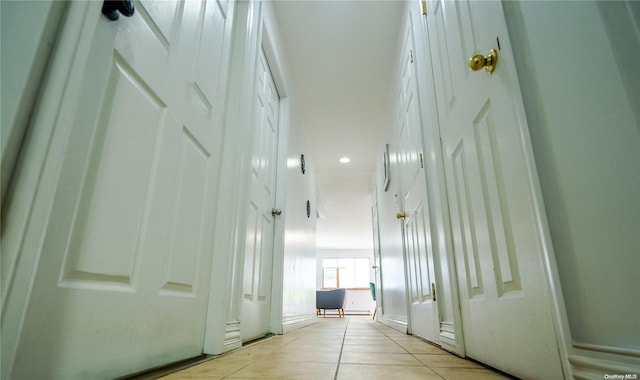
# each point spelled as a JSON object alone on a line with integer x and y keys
{"x": 350, "y": 273}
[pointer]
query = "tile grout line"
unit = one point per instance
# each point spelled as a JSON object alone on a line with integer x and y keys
{"x": 344, "y": 336}
{"x": 412, "y": 353}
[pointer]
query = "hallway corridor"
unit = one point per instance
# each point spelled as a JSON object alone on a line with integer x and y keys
{"x": 347, "y": 348}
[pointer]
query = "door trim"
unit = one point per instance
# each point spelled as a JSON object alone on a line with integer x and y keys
{"x": 273, "y": 55}
{"x": 252, "y": 33}
{"x": 446, "y": 261}
{"x": 223, "y": 314}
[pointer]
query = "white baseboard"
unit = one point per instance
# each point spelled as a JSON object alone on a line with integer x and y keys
{"x": 294, "y": 322}
{"x": 591, "y": 362}
{"x": 395, "y": 322}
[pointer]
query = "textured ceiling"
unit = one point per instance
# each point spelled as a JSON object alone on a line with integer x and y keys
{"x": 341, "y": 56}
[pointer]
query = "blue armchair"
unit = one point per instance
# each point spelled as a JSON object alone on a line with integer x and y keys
{"x": 332, "y": 300}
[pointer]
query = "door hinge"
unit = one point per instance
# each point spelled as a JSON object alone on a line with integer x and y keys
{"x": 421, "y": 162}
{"x": 433, "y": 291}
{"x": 423, "y": 7}
{"x": 411, "y": 56}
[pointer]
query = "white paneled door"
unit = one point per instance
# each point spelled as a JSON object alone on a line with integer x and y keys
{"x": 258, "y": 258}
{"x": 419, "y": 255}
{"x": 504, "y": 295}
{"x": 125, "y": 258}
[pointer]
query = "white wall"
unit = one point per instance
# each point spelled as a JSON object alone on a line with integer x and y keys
{"x": 578, "y": 69}
{"x": 300, "y": 239}
{"x": 294, "y": 274}
{"x": 392, "y": 285}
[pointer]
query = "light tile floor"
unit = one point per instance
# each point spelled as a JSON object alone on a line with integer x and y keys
{"x": 347, "y": 348}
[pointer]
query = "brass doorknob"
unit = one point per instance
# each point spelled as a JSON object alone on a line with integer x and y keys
{"x": 489, "y": 62}
{"x": 401, "y": 215}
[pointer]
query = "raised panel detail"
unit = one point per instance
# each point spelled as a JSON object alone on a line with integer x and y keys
{"x": 467, "y": 34}
{"x": 188, "y": 221}
{"x": 267, "y": 118}
{"x": 411, "y": 249}
{"x": 199, "y": 101}
{"x": 253, "y": 240}
{"x": 264, "y": 259}
{"x": 444, "y": 52}
{"x": 495, "y": 201}
{"x": 161, "y": 18}
{"x": 210, "y": 44}
{"x": 425, "y": 247}
{"x": 224, "y": 7}
{"x": 465, "y": 218}
{"x": 111, "y": 208}
{"x": 259, "y": 159}
{"x": 257, "y": 267}
{"x": 418, "y": 248}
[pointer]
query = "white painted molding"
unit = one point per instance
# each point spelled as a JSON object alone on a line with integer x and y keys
{"x": 447, "y": 332}
{"x": 232, "y": 336}
{"x": 294, "y": 322}
{"x": 587, "y": 367}
{"x": 608, "y": 349}
{"x": 270, "y": 45}
{"x": 395, "y": 322}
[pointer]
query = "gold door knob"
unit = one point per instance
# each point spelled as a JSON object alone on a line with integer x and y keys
{"x": 401, "y": 215}
{"x": 489, "y": 62}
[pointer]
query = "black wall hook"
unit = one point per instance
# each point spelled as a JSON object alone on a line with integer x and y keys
{"x": 110, "y": 8}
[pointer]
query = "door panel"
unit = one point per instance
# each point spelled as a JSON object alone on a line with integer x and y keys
{"x": 117, "y": 158}
{"x": 424, "y": 316}
{"x": 187, "y": 231}
{"x": 258, "y": 268}
{"x": 125, "y": 259}
{"x": 466, "y": 231}
{"x": 505, "y": 262}
{"x": 503, "y": 288}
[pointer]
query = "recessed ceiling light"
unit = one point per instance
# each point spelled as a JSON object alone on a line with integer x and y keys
{"x": 345, "y": 160}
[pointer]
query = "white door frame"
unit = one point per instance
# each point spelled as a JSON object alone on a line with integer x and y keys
{"x": 451, "y": 332}
{"x": 270, "y": 44}
{"x": 277, "y": 277}
{"x": 251, "y": 34}
{"x": 274, "y": 60}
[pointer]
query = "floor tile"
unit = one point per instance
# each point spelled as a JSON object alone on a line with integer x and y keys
{"x": 378, "y": 358}
{"x": 446, "y": 361}
{"x": 466, "y": 374}
{"x": 308, "y": 356}
{"x": 331, "y": 347}
{"x": 385, "y": 372}
{"x": 386, "y": 347}
{"x": 355, "y": 347}
{"x": 282, "y": 369}
{"x": 422, "y": 348}
{"x": 366, "y": 339}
